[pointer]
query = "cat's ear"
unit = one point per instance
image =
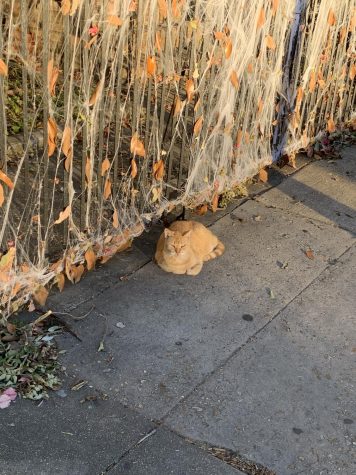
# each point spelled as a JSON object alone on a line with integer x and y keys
{"x": 188, "y": 234}
{"x": 168, "y": 232}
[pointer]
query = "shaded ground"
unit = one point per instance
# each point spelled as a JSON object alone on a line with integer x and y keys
{"x": 247, "y": 368}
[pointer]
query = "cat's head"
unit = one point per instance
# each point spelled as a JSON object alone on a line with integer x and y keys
{"x": 176, "y": 243}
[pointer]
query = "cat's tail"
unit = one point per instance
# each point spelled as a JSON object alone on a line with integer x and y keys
{"x": 216, "y": 252}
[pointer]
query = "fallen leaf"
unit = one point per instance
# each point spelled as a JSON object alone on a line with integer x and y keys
{"x": 201, "y": 210}
{"x": 198, "y": 125}
{"x": 97, "y": 92}
{"x": 189, "y": 87}
{"x": 107, "y": 188}
{"x": 11, "y": 393}
{"x": 4, "y": 178}
{"x": 309, "y": 253}
{"x": 66, "y": 6}
{"x": 5, "y": 401}
{"x": 3, "y": 68}
{"x": 136, "y": 146}
{"x": 250, "y": 68}
{"x": 158, "y": 170}
{"x": 261, "y": 20}
{"x": 234, "y": 80}
{"x": 52, "y": 136}
{"x": 105, "y": 166}
{"x": 352, "y": 72}
{"x": 263, "y": 175}
{"x": 312, "y": 81}
{"x": 52, "y": 74}
{"x": 114, "y": 20}
{"x": 331, "y": 17}
{"x": 90, "y": 258}
{"x": 260, "y": 106}
{"x": 151, "y": 65}
{"x": 300, "y": 94}
{"x": 88, "y": 172}
{"x": 156, "y": 194}
{"x": 67, "y": 147}
{"x": 178, "y": 106}
{"x": 60, "y": 279}
{"x": 331, "y": 125}
{"x": 2, "y": 196}
{"x": 63, "y": 215}
{"x": 11, "y": 328}
{"x": 274, "y": 6}
{"x": 133, "y": 168}
{"x": 215, "y": 203}
{"x": 77, "y": 272}
{"x": 162, "y": 7}
{"x": 270, "y": 43}
{"x": 7, "y": 260}
{"x": 115, "y": 219}
{"x": 228, "y": 48}
{"x": 101, "y": 346}
{"x": 40, "y": 295}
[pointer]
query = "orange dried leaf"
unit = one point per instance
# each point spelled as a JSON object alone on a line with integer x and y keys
{"x": 219, "y": 35}
{"x": 312, "y": 81}
{"x": 274, "y": 6}
{"x": 90, "y": 258}
{"x": 66, "y": 6}
{"x": 263, "y": 175}
{"x": 76, "y": 273}
{"x": 52, "y": 136}
{"x": 189, "y": 87}
{"x": 133, "y": 168}
{"x": 63, "y": 215}
{"x": 309, "y": 253}
{"x": 162, "y": 7}
{"x": 261, "y": 20}
{"x": 105, "y": 166}
{"x": 136, "y": 146}
{"x": 151, "y": 65}
{"x": 2, "y": 196}
{"x": 158, "y": 170}
{"x": 300, "y": 94}
{"x": 114, "y": 20}
{"x": 3, "y": 68}
{"x": 250, "y": 68}
{"x": 201, "y": 210}
{"x": 60, "y": 279}
{"x": 40, "y": 295}
{"x": 215, "y": 203}
{"x": 133, "y": 6}
{"x": 270, "y": 43}
{"x": 198, "y": 125}
{"x": 352, "y": 72}
{"x": 88, "y": 172}
{"x": 107, "y": 188}
{"x": 234, "y": 80}
{"x": 331, "y": 17}
{"x": 94, "y": 97}
{"x": 228, "y": 48}
{"x": 260, "y": 106}
{"x": 52, "y": 74}
{"x": 67, "y": 141}
{"x": 115, "y": 219}
{"x": 178, "y": 106}
{"x": 321, "y": 81}
{"x": 331, "y": 125}
{"x": 5, "y": 179}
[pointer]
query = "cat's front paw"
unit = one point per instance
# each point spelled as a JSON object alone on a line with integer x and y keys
{"x": 195, "y": 269}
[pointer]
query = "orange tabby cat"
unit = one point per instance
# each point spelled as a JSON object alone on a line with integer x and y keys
{"x": 185, "y": 245}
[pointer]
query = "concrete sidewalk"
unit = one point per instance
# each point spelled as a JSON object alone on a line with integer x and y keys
{"x": 255, "y": 355}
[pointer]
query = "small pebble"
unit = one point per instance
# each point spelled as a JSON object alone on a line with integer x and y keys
{"x": 120, "y": 325}
{"x": 247, "y": 317}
